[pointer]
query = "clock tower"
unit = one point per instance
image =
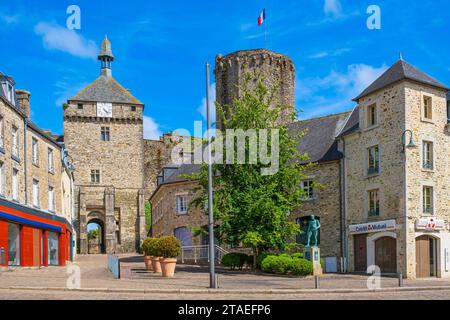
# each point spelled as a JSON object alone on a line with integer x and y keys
{"x": 103, "y": 132}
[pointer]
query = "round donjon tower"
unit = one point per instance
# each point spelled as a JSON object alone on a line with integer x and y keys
{"x": 276, "y": 70}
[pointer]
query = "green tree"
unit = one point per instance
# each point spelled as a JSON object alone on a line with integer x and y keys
{"x": 249, "y": 207}
{"x": 148, "y": 216}
{"x": 93, "y": 234}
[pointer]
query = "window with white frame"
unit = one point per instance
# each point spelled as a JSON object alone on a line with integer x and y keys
{"x": 35, "y": 151}
{"x": 15, "y": 142}
{"x": 308, "y": 189}
{"x": 373, "y": 159}
{"x": 373, "y": 203}
{"x": 105, "y": 134}
{"x": 428, "y": 155}
{"x": 51, "y": 162}
{"x": 51, "y": 199}
{"x": 35, "y": 193}
{"x": 428, "y": 199}
{"x": 15, "y": 184}
{"x": 372, "y": 116}
{"x": 182, "y": 204}
{"x": 95, "y": 176}
{"x": 427, "y": 108}
{"x": 2, "y": 178}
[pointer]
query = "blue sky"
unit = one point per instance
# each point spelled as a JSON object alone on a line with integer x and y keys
{"x": 161, "y": 48}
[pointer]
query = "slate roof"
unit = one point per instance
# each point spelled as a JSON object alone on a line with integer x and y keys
{"x": 401, "y": 70}
{"x": 185, "y": 169}
{"x": 106, "y": 89}
{"x": 352, "y": 124}
{"x": 319, "y": 141}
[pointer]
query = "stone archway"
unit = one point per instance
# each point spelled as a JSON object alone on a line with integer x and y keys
{"x": 96, "y": 234}
{"x": 382, "y": 249}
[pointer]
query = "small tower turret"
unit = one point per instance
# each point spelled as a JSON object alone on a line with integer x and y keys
{"x": 106, "y": 57}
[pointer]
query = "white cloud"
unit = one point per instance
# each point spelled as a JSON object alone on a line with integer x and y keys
{"x": 151, "y": 129}
{"x": 323, "y": 54}
{"x": 9, "y": 19}
{"x": 335, "y": 91}
{"x": 56, "y": 37}
{"x": 65, "y": 91}
{"x": 332, "y": 8}
{"x": 212, "y": 100}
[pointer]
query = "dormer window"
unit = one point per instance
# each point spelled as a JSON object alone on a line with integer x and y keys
{"x": 427, "y": 108}
{"x": 372, "y": 116}
{"x": 8, "y": 88}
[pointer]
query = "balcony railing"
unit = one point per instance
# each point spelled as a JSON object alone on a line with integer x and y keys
{"x": 373, "y": 170}
{"x": 429, "y": 210}
{"x": 428, "y": 165}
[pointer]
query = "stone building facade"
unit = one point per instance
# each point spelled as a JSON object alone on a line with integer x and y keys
{"x": 103, "y": 132}
{"x": 397, "y": 176}
{"x": 35, "y": 187}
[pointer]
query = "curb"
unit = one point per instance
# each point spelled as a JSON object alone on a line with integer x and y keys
{"x": 227, "y": 291}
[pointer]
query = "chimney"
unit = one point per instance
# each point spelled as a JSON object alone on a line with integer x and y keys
{"x": 23, "y": 97}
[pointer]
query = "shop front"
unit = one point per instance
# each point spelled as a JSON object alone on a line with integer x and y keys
{"x": 432, "y": 241}
{"x": 31, "y": 238}
{"x": 375, "y": 244}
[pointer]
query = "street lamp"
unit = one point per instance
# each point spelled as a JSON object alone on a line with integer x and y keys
{"x": 411, "y": 144}
{"x": 212, "y": 272}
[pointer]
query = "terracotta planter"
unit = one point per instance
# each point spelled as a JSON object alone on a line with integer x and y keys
{"x": 148, "y": 263}
{"x": 156, "y": 265}
{"x": 168, "y": 267}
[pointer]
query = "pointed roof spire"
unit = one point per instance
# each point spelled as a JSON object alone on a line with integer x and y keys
{"x": 106, "y": 51}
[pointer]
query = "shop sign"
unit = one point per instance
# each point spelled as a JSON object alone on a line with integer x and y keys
{"x": 373, "y": 227}
{"x": 430, "y": 224}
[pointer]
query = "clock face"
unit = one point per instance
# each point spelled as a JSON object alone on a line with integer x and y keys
{"x": 104, "y": 110}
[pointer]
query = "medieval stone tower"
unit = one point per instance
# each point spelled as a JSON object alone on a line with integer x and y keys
{"x": 277, "y": 71}
{"x": 103, "y": 132}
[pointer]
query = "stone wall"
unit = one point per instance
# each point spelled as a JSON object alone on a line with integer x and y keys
{"x": 277, "y": 71}
{"x": 390, "y": 181}
{"x": 38, "y": 171}
{"x": 436, "y": 131}
{"x": 116, "y": 200}
{"x": 326, "y": 205}
{"x": 165, "y": 217}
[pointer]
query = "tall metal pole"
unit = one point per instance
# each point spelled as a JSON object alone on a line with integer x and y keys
{"x": 213, "y": 279}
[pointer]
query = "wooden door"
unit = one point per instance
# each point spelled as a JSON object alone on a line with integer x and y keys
{"x": 386, "y": 254}
{"x": 423, "y": 257}
{"x": 360, "y": 252}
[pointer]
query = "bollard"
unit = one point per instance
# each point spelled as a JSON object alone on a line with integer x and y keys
{"x": 316, "y": 282}
{"x": 400, "y": 279}
{"x": 217, "y": 281}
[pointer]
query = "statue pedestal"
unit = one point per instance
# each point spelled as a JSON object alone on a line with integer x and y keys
{"x": 313, "y": 255}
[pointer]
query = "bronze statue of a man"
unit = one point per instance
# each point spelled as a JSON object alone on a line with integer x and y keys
{"x": 313, "y": 230}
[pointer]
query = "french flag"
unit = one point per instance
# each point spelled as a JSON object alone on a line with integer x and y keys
{"x": 262, "y": 17}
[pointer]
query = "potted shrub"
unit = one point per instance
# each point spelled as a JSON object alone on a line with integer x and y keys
{"x": 146, "y": 249}
{"x": 152, "y": 251}
{"x": 169, "y": 248}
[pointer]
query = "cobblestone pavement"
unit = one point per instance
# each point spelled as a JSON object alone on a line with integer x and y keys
{"x": 54, "y": 295}
{"x": 94, "y": 274}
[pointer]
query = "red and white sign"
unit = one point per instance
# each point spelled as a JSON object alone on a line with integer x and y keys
{"x": 430, "y": 224}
